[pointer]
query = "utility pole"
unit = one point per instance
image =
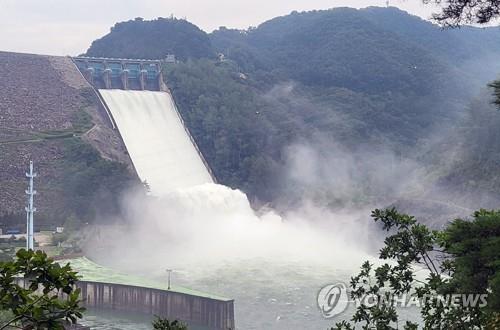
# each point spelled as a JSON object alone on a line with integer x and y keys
{"x": 30, "y": 209}
{"x": 169, "y": 271}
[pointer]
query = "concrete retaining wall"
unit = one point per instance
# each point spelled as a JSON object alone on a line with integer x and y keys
{"x": 212, "y": 313}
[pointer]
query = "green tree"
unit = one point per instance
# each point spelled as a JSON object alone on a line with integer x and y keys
{"x": 93, "y": 185}
{"x": 463, "y": 258}
{"x": 458, "y": 12}
{"x": 153, "y": 39}
{"x": 38, "y": 293}
{"x": 164, "y": 324}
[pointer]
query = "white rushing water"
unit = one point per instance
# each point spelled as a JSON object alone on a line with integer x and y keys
{"x": 159, "y": 146}
{"x": 272, "y": 264}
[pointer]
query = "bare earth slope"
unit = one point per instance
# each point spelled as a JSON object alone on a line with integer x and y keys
{"x": 44, "y": 101}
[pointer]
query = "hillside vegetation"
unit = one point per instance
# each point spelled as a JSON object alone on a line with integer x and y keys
{"x": 134, "y": 39}
{"x": 375, "y": 79}
{"x": 361, "y": 78}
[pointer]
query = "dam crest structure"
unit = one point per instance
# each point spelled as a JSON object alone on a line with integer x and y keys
{"x": 120, "y": 73}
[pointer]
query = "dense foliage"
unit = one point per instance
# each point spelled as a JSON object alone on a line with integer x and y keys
{"x": 374, "y": 49}
{"x": 244, "y": 129}
{"x": 458, "y": 12}
{"x": 37, "y": 304}
{"x": 462, "y": 259}
{"x": 164, "y": 324}
{"x": 227, "y": 118}
{"x": 351, "y": 52}
{"x": 377, "y": 78}
{"x": 472, "y": 149}
{"x": 92, "y": 184}
{"x": 284, "y": 82}
{"x": 153, "y": 40}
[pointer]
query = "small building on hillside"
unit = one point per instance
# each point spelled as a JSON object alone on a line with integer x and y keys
{"x": 170, "y": 58}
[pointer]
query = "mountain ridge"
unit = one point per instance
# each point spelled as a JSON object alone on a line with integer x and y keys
{"x": 375, "y": 76}
{"x": 340, "y": 79}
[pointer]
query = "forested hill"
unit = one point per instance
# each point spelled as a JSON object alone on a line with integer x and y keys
{"x": 373, "y": 49}
{"x": 336, "y": 48}
{"x": 153, "y": 40}
{"x": 377, "y": 78}
{"x": 451, "y": 45}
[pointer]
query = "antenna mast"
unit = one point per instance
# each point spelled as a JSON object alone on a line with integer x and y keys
{"x": 30, "y": 209}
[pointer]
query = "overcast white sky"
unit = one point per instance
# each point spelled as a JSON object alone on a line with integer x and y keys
{"x": 67, "y": 27}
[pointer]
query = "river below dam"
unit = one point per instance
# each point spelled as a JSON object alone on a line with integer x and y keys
{"x": 273, "y": 266}
{"x": 268, "y": 295}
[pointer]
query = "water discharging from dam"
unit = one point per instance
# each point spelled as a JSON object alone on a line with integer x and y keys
{"x": 273, "y": 265}
{"x": 158, "y": 144}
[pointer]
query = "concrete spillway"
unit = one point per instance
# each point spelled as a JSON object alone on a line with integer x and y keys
{"x": 160, "y": 148}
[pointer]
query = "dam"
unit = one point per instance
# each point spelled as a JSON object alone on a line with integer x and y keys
{"x": 166, "y": 159}
{"x": 162, "y": 150}
{"x": 163, "y": 154}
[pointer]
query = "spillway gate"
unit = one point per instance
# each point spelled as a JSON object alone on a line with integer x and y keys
{"x": 120, "y": 73}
